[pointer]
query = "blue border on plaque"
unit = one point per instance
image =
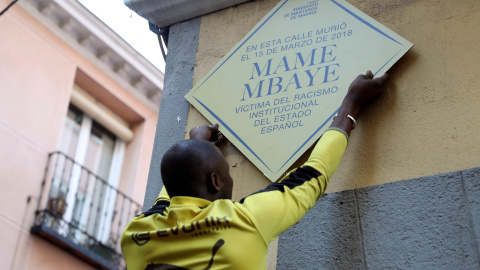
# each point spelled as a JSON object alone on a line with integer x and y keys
{"x": 322, "y": 125}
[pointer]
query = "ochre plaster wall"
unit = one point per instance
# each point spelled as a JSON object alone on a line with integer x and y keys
{"x": 426, "y": 123}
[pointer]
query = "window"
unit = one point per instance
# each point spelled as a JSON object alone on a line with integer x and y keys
{"x": 84, "y": 209}
{"x": 97, "y": 150}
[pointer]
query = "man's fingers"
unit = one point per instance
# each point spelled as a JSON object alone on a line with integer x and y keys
{"x": 383, "y": 79}
{"x": 369, "y": 75}
{"x": 214, "y": 127}
{"x": 216, "y": 135}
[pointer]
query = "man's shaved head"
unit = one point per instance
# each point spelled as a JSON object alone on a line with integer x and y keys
{"x": 188, "y": 165}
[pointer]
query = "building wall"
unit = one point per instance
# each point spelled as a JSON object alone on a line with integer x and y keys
{"x": 37, "y": 73}
{"x": 404, "y": 193}
{"x": 432, "y": 87}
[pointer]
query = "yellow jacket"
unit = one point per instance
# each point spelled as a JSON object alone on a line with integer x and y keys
{"x": 194, "y": 233}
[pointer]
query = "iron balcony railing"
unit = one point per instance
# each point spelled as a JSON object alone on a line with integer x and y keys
{"x": 82, "y": 213}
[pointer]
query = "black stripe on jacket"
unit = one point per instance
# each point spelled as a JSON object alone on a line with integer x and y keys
{"x": 158, "y": 208}
{"x": 296, "y": 178}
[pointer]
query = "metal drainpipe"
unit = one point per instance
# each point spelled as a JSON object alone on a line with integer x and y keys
{"x": 162, "y": 34}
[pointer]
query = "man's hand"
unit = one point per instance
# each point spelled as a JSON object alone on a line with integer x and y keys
{"x": 205, "y": 132}
{"x": 365, "y": 89}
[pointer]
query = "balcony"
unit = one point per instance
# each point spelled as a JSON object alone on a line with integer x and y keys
{"x": 82, "y": 213}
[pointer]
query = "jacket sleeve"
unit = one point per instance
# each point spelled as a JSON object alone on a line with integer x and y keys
{"x": 281, "y": 205}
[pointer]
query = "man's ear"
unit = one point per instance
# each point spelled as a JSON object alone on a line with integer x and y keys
{"x": 214, "y": 183}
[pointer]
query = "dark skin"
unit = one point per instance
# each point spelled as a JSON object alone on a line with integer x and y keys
{"x": 205, "y": 132}
{"x": 362, "y": 91}
{"x": 198, "y": 168}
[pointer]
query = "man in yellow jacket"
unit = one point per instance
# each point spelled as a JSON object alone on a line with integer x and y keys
{"x": 196, "y": 225}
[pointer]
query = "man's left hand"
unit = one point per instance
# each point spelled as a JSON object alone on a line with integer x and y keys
{"x": 206, "y": 132}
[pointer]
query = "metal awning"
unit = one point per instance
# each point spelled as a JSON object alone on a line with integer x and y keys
{"x": 164, "y": 13}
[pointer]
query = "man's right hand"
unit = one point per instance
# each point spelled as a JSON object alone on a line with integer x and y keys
{"x": 362, "y": 90}
{"x": 365, "y": 89}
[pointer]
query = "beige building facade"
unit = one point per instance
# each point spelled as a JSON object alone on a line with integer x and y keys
{"x": 78, "y": 110}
